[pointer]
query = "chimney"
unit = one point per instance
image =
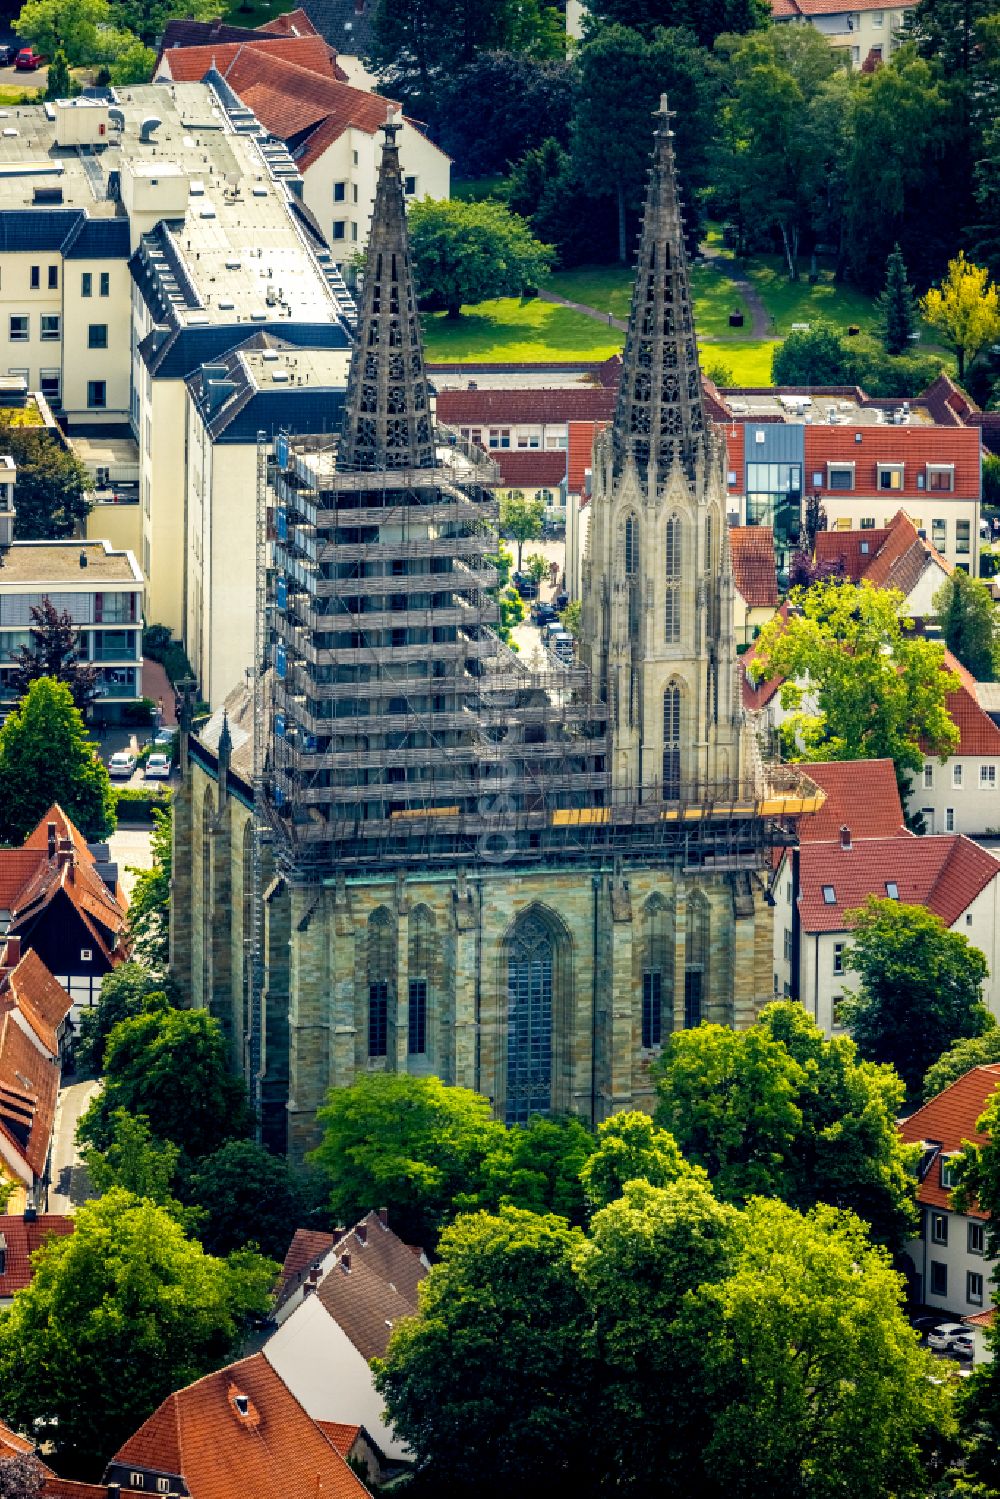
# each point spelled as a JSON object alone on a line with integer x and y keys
{"x": 383, "y": 1217}
{"x": 845, "y": 836}
{"x": 83, "y": 558}
{"x": 314, "y": 1274}
{"x": 65, "y": 856}
{"x": 362, "y": 1233}
{"x": 345, "y": 1263}
{"x": 52, "y": 841}
{"x": 3, "y": 1255}
{"x": 30, "y": 1214}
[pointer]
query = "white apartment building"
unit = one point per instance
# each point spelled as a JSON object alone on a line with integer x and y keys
{"x": 265, "y": 384}
{"x": 862, "y": 32}
{"x": 102, "y": 591}
{"x": 139, "y": 240}
{"x": 948, "y": 1260}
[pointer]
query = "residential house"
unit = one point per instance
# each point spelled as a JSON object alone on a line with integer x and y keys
{"x": 962, "y": 794}
{"x": 755, "y": 580}
{"x": 538, "y": 474}
{"x": 29, "y": 1085}
{"x": 63, "y": 908}
{"x": 40, "y": 1005}
{"x": 101, "y": 589}
{"x": 299, "y": 93}
{"x": 858, "y": 846}
{"x": 897, "y": 556}
{"x": 862, "y": 32}
{"x": 237, "y": 1432}
{"x": 523, "y": 419}
{"x": 338, "y": 1317}
{"x": 20, "y": 1235}
{"x": 949, "y": 1262}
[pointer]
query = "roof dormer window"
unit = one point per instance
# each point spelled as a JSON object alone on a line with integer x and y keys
{"x": 890, "y": 476}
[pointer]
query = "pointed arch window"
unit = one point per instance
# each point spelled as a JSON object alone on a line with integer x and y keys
{"x": 672, "y": 577}
{"x": 381, "y": 971}
{"x": 529, "y": 1020}
{"x": 657, "y": 970}
{"x": 672, "y": 743}
{"x": 419, "y": 966}
{"x": 696, "y": 955}
{"x": 631, "y": 546}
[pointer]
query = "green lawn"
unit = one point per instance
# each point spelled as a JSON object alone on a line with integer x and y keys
{"x": 518, "y": 331}
{"x": 609, "y": 289}
{"x": 254, "y": 12}
{"x": 750, "y": 363}
{"x": 800, "y": 301}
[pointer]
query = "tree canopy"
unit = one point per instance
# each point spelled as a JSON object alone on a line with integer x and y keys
{"x": 520, "y": 520}
{"x": 54, "y": 652}
{"x": 631, "y": 1147}
{"x": 780, "y": 1111}
{"x": 897, "y": 306}
{"x": 969, "y": 623}
{"x": 707, "y": 19}
{"x": 53, "y": 486}
{"x": 47, "y": 756}
{"x": 128, "y": 990}
{"x": 965, "y": 310}
{"x": 874, "y": 689}
{"x": 149, "y": 908}
{"x": 467, "y": 252}
{"x": 170, "y": 1065}
{"x": 684, "y": 1346}
{"x": 246, "y": 1195}
{"x": 972, "y": 1051}
{"x": 118, "y": 1314}
{"x": 921, "y": 988}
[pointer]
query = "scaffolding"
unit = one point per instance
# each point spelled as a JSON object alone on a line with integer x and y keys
{"x": 403, "y": 732}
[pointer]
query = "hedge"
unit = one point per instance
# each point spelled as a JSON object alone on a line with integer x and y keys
{"x": 136, "y": 803}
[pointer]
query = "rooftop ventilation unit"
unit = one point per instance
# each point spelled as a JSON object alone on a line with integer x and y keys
{"x": 149, "y": 127}
{"x": 280, "y": 377}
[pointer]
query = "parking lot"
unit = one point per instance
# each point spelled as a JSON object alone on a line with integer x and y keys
{"x": 945, "y": 1336}
{"x": 527, "y": 636}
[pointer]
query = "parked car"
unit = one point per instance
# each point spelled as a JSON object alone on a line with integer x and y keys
{"x": 164, "y": 740}
{"x": 122, "y": 764}
{"x": 561, "y": 600}
{"x": 157, "y": 768}
{"x": 526, "y": 587}
{"x": 543, "y": 614}
{"x": 945, "y": 1337}
{"x": 28, "y": 60}
{"x": 926, "y": 1325}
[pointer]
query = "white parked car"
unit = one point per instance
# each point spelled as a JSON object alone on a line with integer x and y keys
{"x": 158, "y": 768}
{"x": 952, "y": 1337}
{"x": 122, "y": 763}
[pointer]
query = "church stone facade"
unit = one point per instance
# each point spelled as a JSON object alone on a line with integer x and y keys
{"x": 544, "y": 968}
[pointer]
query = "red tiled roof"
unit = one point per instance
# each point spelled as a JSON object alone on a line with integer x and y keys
{"x": 851, "y": 550}
{"x": 947, "y": 402}
{"x": 580, "y": 455}
{"x": 69, "y": 1488}
{"x": 565, "y": 404}
{"x": 860, "y": 794}
{"x": 978, "y": 734}
{"x": 914, "y": 447}
{"x": 947, "y": 1120}
{"x": 943, "y": 873}
{"x": 41, "y": 999}
{"x": 981, "y": 1319}
{"x": 29, "y": 1084}
{"x": 781, "y": 9}
{"x": 734, "y": 457}
{"x": 22, "y": 1241}
{"x": 535, "y": 469}
{"x": 903, "y": 557}
{"x": 273, "y": 1451}
{"x": 292, "y": 23}
{"x": 190, "y": 64}
{"x": 751, "y": 549}
{"x": 100, "y": 911}
{"x": 11, "y": 1442}
{"x": 18, "y": 867}
{"x": 289, "y": 100}
{"x": 308, "y": 1246}
{"x": 340, "y": 1435}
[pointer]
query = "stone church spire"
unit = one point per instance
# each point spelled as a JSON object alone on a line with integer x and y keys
{"x": 387, "y": 423}
{"x": 659, "y": 417}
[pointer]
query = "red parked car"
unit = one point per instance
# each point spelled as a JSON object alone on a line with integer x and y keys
{"x": 28, "y": 60}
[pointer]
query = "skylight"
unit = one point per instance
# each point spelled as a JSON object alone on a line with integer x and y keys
{"x": 829, "y": 895}
{"x": 892, "y": 889}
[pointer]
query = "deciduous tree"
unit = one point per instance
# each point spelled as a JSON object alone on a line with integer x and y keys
{"x": 630, "y": 1147}
{"x": 53, "y": 487}
{"x": 468, "y": 252}
{"x": 520, "y": 520}
{"x": 536, "y": 1166}
{"x": 126, "y": 1309}
{"x": 67, "y": 26}
{"x": 170, "y": 1065}
{"x": 707, "y": 19}
{"x": 488, "y": 1384}
{"x": 921, "y": 988}
{"x": 127, "y": 991}
{"x": 411, "y": 1144}
{"x": 246, "y": 1195}
{"x": 501, "y": 106}
{"x": 149, "y": 908}
{"x": 968, "y": 619}
{"x": 965, "y": 310}
{"x": 960, "y": 1057}
{"x": 54, "y": 652}
{"x": 46, "y": 756}
{"x": 860, "y": 685}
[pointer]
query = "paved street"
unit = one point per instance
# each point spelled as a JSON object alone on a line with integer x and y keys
{"x": 526, "y": 636}
{"x": 70, "y": 1184}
